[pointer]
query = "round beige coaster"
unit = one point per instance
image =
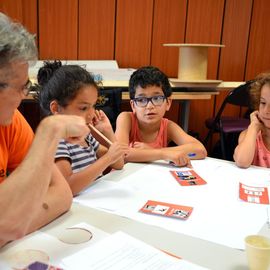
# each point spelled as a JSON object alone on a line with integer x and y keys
{"x": 75, "y": 235}
{"x": 22, "y": 258}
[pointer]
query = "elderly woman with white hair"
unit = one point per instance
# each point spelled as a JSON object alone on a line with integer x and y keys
{"x": 32, "y": 190}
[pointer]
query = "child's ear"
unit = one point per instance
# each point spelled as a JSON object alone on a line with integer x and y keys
{"x": 169, "y": 103}
{"x": 54, "y": 107}
{"x": 132, "y": 105}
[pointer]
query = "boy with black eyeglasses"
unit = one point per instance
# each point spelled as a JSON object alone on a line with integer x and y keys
{"x": 146, "y": 130}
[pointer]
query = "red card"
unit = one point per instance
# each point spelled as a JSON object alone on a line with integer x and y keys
{"x": 253, "y": 194}
{"x": 167, "y": 209}
{"x": 188, "y": 178}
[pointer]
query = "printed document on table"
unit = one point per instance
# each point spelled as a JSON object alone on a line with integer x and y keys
{"x": 121, "y": 251}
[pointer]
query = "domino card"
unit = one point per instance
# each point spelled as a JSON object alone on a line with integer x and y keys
{"x": 166, "y": 209}
{"x": 187, "y": 178}
{"x": 253, "y": 194}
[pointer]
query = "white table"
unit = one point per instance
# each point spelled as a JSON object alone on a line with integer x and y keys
{"x": 202, "y": 252}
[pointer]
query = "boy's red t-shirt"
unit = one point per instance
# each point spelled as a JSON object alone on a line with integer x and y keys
{"x": 160, "y": 141}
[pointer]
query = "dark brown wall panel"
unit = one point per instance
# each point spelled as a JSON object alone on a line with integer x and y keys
{"x": 235, "y": 38}
{"x": 58, "y": 24}
{"x": 24, "y": 11}
{"x": 12, "y": 8}
{"x": 29, "y": 13}
{"x": 204, "y": 25}
{"x": 258, "y": 52}
{"x": 168, "y": 27}
{"x": 96, "y": 29}
{"x": 133, "y": 32}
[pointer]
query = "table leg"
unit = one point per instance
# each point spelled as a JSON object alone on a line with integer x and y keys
{"x": 184, "y": 114}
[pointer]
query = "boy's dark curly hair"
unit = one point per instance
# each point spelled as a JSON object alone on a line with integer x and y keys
{"x": 149, "y": 76}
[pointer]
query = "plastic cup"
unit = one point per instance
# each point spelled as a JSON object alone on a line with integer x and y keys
{"x": 258, "y": 252}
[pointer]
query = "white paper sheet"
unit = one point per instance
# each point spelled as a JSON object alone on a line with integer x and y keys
{"x": 88, "y": 64}
{"x": 218, "y": 215}
{"x": 121, "y": 74}
{"x": 106, "y": 195}
{"x": 50, "y": 245}
{"x": 121, "y": 251}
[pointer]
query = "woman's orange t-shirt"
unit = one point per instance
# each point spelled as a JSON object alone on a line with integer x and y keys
{"x": 15, "y": 140}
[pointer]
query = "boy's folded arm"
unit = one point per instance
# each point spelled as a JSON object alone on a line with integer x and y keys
{"x": 144, "y": 155}
{"x": 193, "y": 150}
{"x": 185, "y": 143}
{"x": 123, "y": 127}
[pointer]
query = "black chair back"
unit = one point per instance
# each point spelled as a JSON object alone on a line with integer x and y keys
{"x": 240, "y": 95}
{"x": 225, "y": 124}
{"x": 109, "y": 101}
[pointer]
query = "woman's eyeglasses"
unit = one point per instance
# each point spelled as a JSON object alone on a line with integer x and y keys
{"x": 155, "y": 100}
{"x": 25, "y": 89}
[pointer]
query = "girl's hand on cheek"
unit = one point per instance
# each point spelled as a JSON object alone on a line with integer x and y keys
{"x": 101, "y": 121}
{"x": 255, "y": 120}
